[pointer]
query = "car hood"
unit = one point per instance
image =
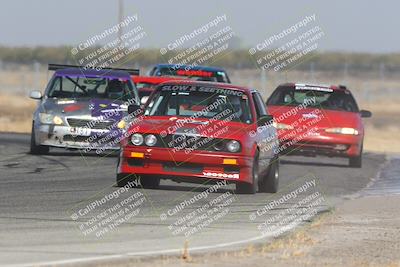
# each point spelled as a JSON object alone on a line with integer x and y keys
{"x": 164, "y": 125}
{"x": 93, "y": 107}
{"x": 323, "y": 118}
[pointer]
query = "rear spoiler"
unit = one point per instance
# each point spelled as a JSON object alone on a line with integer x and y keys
{"x": 63, "y": 66}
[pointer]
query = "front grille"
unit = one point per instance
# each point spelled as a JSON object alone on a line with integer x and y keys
{"x": 320, "y": 145}
{"x": 79, "y": 138}
{"x": 193, "y": 142}
{"x": 91, "y": 124}
{"x": 87, "y": 139}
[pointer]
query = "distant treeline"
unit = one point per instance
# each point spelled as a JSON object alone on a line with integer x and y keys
{"x": 333, "y": 61}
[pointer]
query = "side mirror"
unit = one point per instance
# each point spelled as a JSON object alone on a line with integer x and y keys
{"x": 35, "y": 95}
{"x": 264, "y": 120}
{"x": 134, "y": 109}
{"x": 365, "y": 113}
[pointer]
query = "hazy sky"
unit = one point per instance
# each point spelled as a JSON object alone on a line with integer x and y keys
{"x": 349, "y": 25}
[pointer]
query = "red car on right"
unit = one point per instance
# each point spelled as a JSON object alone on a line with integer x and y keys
{"x": 318, "y": 120}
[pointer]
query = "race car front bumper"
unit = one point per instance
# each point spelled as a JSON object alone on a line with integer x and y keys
{"x": 333, "y": 145}
{"x": 197, "y": 165}
{"x": 75, "y": 138}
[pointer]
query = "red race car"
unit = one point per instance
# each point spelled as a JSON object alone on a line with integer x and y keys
{"x": 318, "y": 119}
{"x": 202, "y": 132}
{"x": 146, "y": 85}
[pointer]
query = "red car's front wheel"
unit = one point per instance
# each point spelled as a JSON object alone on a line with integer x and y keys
{"x": 356, "y": 162}
{"x": 250, "y": 188}
{"x": 270, "y": 181}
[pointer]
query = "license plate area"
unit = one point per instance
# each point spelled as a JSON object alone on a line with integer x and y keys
{"x": 82, "y": 131}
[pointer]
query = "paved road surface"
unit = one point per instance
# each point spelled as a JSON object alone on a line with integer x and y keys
{"x": 45, "y": 217}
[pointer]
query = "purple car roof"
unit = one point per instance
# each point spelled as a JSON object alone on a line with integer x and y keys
{"x": 116, "y": 74}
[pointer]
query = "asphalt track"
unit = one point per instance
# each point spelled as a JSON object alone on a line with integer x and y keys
{"x": 39, "y": 196}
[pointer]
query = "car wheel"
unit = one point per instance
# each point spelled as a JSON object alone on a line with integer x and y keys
{"x": 123, "y": 179}
{"x": 247, "y": 188}
{"x": 355, "y": 162}
{"x": 37, "y": 149}
{"x": 150, "y": 182}
{"x": 270, "y": 181}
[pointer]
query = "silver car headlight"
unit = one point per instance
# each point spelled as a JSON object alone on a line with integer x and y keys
{"x": 233, "y": 146}
{"x": 137, "y": 139}
{"x": 150, "y": 140}
{"x": 57, "y": 120}
{"x": 50, "y": 119}
{"x": 350, "y": 131}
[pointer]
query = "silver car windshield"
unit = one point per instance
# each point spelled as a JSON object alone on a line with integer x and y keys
{"x": 91, "y": 87}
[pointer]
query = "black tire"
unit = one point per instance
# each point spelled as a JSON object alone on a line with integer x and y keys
{"x": 355, "y": 162}
{"x": 269, "y": 183}
{"x": 37, "y": 149}
{"x": 123, "y": 179}
{"x": 149, "y": 182}
{"x": 246, "y": 188}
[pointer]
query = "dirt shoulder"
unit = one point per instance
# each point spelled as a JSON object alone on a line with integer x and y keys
{"x": 361, "y": 232}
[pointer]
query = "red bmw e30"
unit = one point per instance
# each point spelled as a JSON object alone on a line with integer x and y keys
{"x": 202, "y": 132}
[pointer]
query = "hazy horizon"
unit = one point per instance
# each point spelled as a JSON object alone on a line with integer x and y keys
{"x": 348, "y": 26}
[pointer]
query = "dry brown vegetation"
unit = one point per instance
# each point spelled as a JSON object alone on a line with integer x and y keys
{"x": 16, "y": 113}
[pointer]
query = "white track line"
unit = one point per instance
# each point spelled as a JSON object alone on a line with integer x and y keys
{"x": 144, "y": 253}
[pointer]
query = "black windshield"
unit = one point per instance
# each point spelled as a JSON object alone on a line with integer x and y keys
{"x": 329, "y": 99}
{"x": 200, "y": 105}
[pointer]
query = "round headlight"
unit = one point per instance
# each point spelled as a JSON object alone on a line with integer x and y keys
{"x": 233, "y": 146}
{"x": 150, "y": 140}
{"x": 137, "y": 139}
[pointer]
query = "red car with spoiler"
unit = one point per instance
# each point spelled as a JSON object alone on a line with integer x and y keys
{"x": 318, "y": 120}
{"x": 194, "y": 72}
{"x": 146, "y": 85}
{"x": 201, "y": 132}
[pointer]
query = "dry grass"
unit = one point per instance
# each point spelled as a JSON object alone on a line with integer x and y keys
{"x": 290, "y": 246}
{"x": 23, "y": 79}
{"x": 382, "y": 139}
{"x": 16, "y": 113}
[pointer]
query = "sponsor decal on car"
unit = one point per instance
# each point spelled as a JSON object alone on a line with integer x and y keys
{"x": 106, "y": 108}
{"x": 222, "y": 175}
{"x": 310, "y": 116}
{"x": 313, "y": 88}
